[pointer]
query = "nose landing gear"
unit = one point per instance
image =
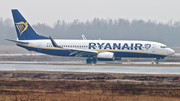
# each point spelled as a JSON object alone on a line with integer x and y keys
{"x": 157, "y": 60}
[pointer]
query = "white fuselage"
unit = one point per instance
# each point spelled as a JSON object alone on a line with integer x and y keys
{"x": 121, "y": 48}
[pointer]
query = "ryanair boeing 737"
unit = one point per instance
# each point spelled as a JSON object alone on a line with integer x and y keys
{"x": 92, "y": 49}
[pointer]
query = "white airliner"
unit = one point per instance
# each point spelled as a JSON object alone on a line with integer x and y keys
{"x": 92, "y": 49}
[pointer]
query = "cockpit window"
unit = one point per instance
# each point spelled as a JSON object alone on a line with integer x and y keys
{"x": 163, "y": 46}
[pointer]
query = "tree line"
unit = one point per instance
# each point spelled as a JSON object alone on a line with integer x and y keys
{"x": 105, "y": 29}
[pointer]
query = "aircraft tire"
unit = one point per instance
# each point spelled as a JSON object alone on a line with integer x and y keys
{"x": 94, "y": 60}
{"x": 157, "y": 62}
{"x": 88, "y": 61}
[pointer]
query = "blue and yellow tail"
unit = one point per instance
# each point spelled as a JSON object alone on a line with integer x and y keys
{"x": 23, "y": 28}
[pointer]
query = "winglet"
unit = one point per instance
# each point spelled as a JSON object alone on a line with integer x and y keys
{"x": 84, "y": 38}
{"x": 53, "y": 42}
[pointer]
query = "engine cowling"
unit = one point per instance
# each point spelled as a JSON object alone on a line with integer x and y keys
{"x": 106, "y": 56}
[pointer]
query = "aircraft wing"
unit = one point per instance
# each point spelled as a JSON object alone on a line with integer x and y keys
{"x": 75, "y": 51}
{"x": 82, "y": 52}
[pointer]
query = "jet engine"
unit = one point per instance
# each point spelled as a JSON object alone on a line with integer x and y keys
{"x": 106, "y": 56}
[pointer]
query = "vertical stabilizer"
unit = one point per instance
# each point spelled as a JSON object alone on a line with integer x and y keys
{"x": 23, "y": 28}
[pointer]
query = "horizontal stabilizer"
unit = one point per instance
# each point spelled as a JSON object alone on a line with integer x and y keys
{"x": 17, "y": 41}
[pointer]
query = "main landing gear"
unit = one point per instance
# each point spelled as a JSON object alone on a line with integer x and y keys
{"x": 91, "y": 60}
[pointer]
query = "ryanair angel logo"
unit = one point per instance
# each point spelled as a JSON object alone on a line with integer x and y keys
{"x": 21, "y": 26}
{"x": 147, "y": 46}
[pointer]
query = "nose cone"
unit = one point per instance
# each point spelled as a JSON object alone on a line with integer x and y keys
{"x": 170, "y": 51}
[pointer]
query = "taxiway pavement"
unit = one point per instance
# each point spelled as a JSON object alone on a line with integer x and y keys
{"x": 72, "y": 66}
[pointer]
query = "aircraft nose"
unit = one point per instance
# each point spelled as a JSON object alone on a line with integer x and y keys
{"x": 171, "y": 51}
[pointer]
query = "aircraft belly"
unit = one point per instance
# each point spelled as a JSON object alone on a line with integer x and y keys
{"x": 56, "y": 52}
{"x": 132, "y": 54}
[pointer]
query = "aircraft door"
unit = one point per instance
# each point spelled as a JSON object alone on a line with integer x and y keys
{"x": 153, "y": 48}
{"x": 39, "y": 46}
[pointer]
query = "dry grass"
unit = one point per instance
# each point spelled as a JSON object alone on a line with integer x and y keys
{"x": 49, "y": 90}
{"x": 76, "y": 96}
{"x": 113, "y": 74}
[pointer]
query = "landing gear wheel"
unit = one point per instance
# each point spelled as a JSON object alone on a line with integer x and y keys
{"x": 157, "y": 62}
{"x": 88, "y": 61}
{"x": 94, "y": 60}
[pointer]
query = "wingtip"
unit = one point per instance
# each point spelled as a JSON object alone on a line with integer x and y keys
{"x": 53, "y": 42}
{"x": 50, "y": 38}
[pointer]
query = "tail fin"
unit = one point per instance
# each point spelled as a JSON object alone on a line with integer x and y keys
{"x": 23, "y": 28}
